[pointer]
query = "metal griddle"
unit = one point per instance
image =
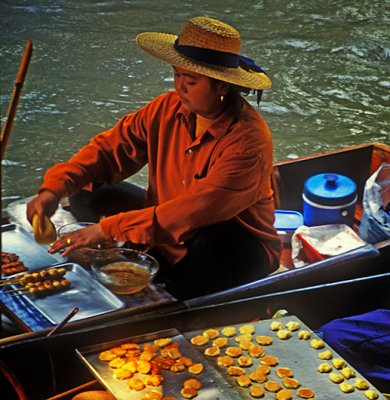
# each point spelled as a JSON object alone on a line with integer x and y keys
{"x": 214, "y": 386}
{"x": 91, "y": 297}
{"x": 15, "y": 239}
{"x": 297, "y": 354}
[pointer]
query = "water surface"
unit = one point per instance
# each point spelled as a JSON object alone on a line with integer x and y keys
{"x": 329, "y": 62}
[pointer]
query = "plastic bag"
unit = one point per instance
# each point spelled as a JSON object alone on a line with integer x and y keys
{"x": 315, "y": 243}
{"x": 375, "y": 224}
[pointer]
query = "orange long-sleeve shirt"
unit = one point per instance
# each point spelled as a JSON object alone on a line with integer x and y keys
{"x": 193, "y": 182}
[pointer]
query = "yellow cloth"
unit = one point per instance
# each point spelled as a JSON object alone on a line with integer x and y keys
{"x": 202, "y": 124}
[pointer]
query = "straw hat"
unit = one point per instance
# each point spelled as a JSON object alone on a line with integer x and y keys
{"x": 209, "y": 47}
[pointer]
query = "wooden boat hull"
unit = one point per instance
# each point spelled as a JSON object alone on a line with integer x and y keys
{"x": 53, "y": 361}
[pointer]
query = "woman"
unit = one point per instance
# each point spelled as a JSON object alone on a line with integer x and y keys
{"x": 208, "y": 212}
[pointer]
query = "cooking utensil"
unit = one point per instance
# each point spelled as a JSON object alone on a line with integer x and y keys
{"x": 71, "y": 313}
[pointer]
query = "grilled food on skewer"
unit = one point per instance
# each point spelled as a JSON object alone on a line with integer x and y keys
{"x": 42, "y": 289}
{"x": 53, "y": 273}
{"x": 8, "y": 257}
{"x": 10, "y": 264}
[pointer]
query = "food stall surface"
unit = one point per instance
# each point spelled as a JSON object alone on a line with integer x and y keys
{"x": 34, "y": 312}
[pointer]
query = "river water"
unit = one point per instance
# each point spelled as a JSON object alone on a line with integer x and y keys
{"x": 329, "y": 62}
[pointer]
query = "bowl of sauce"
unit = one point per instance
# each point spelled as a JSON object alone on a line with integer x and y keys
{"x": 124, "y": 271}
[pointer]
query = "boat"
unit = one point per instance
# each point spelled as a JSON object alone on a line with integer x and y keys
{"x": 345, "y": 277}
{"x": 49, "y": 368}
{"x": 358, "y": 162}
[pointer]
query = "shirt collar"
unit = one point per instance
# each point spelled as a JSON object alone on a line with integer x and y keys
{"x": 218, "y": 129}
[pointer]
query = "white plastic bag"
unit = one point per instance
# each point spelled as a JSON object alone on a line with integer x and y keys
{"x": 375, "y": 224}
{"x": 322, "y": 242}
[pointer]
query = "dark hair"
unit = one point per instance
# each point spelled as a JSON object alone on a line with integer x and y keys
{"x": 233, "y": 98}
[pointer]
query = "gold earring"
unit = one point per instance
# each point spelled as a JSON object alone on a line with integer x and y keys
{"x": 221, "y": 98}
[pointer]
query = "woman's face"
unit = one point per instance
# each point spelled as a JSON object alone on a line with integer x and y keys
{"x": 198, "y": 93}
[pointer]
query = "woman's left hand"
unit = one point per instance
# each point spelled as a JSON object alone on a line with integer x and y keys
{"x": 88, "y": 237}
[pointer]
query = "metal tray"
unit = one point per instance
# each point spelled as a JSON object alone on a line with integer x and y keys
{"x": 214, "y": 386}
{"x": 91, "y": 297}
{"x": 15, "y": 239}
{"x": 294, "y": 353}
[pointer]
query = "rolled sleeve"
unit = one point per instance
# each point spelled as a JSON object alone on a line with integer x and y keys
{"x": 135, "y": 226}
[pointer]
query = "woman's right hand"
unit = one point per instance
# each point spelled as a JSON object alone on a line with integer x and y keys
{"x": 45, "y": 204}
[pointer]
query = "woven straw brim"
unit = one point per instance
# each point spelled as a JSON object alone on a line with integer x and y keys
{"x": 160, "y": 45}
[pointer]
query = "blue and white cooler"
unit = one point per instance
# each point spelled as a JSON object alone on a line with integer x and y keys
{"x": 329, "y": 199}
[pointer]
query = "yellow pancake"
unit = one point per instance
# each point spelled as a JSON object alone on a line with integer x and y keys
{"x": 48, "y": 234}
{"x": 93, "y": 395}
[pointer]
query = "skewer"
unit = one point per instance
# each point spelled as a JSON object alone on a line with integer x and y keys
{"x": 9, "y": 282}
{"x": 16, "y": 290}
{"x": 12, "y": 279}
{"x": 52, "y": 273}
{"x": 25, "y": 292}
{"x": 17, "y": 294}
{"x": 36, "y": 293}
{"x": 9, "y": 279}
{"x": 41, "y": 289}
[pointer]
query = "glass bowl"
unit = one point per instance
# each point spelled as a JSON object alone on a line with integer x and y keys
{"x": 124, "y": 271}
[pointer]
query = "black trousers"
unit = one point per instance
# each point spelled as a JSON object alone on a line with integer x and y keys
{"x": 218, "y": 256}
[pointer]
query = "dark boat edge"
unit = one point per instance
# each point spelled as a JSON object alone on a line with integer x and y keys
{"x": 56, "y": 356}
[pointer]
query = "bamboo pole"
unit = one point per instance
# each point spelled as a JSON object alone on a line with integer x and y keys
{"x": 20, "y": 77}
{"x": 7, "y": 128}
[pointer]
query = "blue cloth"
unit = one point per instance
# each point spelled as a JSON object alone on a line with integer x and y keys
{"x": 22, "y": 309}
{"x": 364, "y": 342}
{"x": 32, "y": 320}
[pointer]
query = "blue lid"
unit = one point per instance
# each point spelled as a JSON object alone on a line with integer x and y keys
{"x": 286, "y": 219}
{"x": 330, "y": 189}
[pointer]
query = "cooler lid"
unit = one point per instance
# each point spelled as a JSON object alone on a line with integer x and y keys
{"x": 287, "y": 220}
{"x": 330, "y": 189}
